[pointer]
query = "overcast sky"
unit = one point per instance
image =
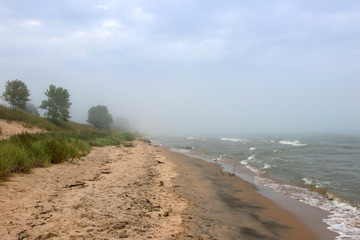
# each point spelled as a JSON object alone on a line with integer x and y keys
{"x": 192, "y": 67}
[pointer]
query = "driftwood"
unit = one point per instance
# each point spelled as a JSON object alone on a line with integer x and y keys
{"x": 233, "y": 173}
{"x": 77, "y": 183}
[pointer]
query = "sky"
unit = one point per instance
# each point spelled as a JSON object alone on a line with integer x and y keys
{"x": 192, "y": 67}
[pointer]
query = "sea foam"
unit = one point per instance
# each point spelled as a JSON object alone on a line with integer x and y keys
{"x": 343, "y": 219}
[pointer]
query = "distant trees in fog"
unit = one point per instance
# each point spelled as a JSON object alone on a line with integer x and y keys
{"x": 57, "y": 106}
{"x": 31, "y": 108}
{"x": 121, "y": 124}
{"x": 99, "y": 117}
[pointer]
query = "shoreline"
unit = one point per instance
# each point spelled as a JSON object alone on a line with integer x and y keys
{"x": 233, "y": 187}
{"x": 310, "y": 216}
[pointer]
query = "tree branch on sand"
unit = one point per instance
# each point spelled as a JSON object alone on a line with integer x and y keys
{"x": 233, "y": 173}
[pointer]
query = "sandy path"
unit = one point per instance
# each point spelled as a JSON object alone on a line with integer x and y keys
{"x": 113, "y": 193}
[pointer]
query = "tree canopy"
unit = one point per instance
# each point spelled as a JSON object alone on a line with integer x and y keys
{"x": 99, "y": 117}
{"x": 16, "y": 94}
{"x": 57, "y": 104}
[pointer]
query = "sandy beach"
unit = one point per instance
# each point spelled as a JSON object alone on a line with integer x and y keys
{"x": 142, "y": 192}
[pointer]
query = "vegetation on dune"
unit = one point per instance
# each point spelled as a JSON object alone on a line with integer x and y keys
{"x": 64, "y": 141}
{"x": 23, "y": 151}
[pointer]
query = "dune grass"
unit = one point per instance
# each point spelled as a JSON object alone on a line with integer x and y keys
{"x": 24, "y": 151}
{"x": 64, "y": 141}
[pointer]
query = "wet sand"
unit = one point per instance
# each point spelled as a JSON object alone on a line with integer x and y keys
{"x": 143, "y": 192}
{"x": 225, "y": 207}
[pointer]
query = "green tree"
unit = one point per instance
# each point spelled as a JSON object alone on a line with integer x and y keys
{"x": 16, "y": 94}
{"x": 58, "y": 104}
{"x": 100, "y": 117}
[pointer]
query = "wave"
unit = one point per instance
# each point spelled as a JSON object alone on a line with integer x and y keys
{"x": 232, "y": 139}
{"x": 251, "y": 168}
{"x": 191, "y": 138}
{"x": 252, "y": 149}
{"x": 244, "y": 162}
{"x": 295, "y": 143}
{"x": 315, "y": 183}
{"x": 343, "y": 218}
{"x": 266, "y": 166}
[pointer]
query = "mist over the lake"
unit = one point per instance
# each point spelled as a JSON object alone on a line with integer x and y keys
{"x": 185, "y": 67}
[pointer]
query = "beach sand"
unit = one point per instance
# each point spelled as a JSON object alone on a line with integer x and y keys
{"x": 143, "y": 192}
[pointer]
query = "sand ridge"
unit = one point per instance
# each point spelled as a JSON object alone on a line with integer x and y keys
{"x": 9, "y": 128}
{"x": 113, "y": 193}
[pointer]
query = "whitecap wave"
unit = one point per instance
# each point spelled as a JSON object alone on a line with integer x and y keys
{"x": 252, "y": 149}
{"x": 191, "y": 138}
{"x": 244, "y": 162}
{"x": 316, "y": 183}
{"x": 267, "y": 166}
{"x": 295, "y": 143}
{"x": 252, "y": 158}
{"x": 232, "y": 139}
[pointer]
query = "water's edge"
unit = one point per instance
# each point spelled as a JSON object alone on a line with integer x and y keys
{"x": 310, "y": 216}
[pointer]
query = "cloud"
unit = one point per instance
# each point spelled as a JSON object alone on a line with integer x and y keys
{"x": 210, "y": 58}
{"x": 104, "y": 7}
{"x": 111, "y": 24}
{"x": 138, "y": 15}
{"x": 31, "y": 23}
